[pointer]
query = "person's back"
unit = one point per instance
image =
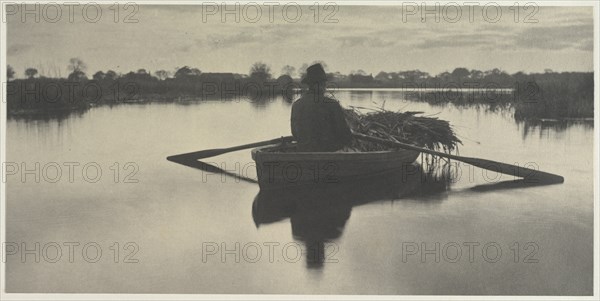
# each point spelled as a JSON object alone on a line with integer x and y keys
{"x": 318, "y": 122}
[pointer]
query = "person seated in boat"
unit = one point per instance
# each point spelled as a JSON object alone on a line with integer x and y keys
{"x": 318, "y": 122}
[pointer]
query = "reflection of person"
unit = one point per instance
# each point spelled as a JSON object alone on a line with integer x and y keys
{"x": 317, "y": 217}
{"x": 318, "y": 214}
{"x": 317, "y": 222}
{"x": 318, "y": 122}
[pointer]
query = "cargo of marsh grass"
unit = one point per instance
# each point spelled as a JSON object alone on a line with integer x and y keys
{"x": 407, "y": 127}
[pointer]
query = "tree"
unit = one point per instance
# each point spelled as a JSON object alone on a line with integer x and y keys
{"x": 498, "y": 77}
{"x": 140, "y": 75}
{"x": 260, "y": 71}
{"x": 31, "y": 72}
{"x": 361, "y": 77}
{"x": 413, "y": 76}
{"x": 162, "y": 74}
{"x": 494, "y": 71}
{"x": 77, "y": 68}
{"x": 288, "y": 70}
{"x": 520, "y": 76}
{"x": 336, "y": 77}
{"x": 111, "y": 75}
{"x": 10, "y": 72}
{"x": 460, "y": 74}
{"x": 285, "y": 82}
{"x": 187, "y": 72}
{"x": 394, "y": 76}
{"x": 76, "y": 64}
{"x": 383, "y": 76}
{"x": 77, "y": 76}
{"x": 444, "y": 75}
{"x": 98, "y": 75}
{"x": 183, "y": 72}
{"x": 476, "y": 74}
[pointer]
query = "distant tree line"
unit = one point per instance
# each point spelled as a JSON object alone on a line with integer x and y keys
{"x": 566, "y": 94}
{"x": 37, "y": 93}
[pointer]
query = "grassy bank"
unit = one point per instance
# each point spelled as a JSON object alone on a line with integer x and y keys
{"x": 50, "y": 95}
{"x": 532, "y": 96}
{"x": 557, "y": 100}
{"x": 569, "y": 96}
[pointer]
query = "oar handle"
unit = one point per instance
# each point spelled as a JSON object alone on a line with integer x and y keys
{"x": 283, "y": 139}
{"x": 203, "y": 154}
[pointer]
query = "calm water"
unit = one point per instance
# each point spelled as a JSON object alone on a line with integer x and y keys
{"x": 179, "y": 216}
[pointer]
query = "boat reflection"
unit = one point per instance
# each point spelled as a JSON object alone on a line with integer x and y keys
{"x": 319, "y": 214}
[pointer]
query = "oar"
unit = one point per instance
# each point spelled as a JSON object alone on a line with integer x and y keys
{"x": 509, "y": 169}
{"x": 219, "y": 151}
{"x": 189, "y": 162}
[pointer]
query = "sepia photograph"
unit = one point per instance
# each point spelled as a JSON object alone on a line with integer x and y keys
{"x": 299, "y": 150}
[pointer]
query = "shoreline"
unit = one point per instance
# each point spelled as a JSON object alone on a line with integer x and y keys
{"x": 35, "y": 113}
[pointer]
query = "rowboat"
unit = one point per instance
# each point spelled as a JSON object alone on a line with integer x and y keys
{"x": 280, "y": 166}
{"x": 278, "y": 163}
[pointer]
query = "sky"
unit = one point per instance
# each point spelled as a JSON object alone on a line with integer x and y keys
{"x": 373, "y": 38}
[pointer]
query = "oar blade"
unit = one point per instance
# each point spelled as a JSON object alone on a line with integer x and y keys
{"x": 530, "y": 175}
{"x": 199, "y": 154}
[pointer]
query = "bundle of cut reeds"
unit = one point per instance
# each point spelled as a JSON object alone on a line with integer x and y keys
{"x": 406, "y": 127}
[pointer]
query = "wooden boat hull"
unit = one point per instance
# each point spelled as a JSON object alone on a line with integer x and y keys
{"x": 277, "y": 167}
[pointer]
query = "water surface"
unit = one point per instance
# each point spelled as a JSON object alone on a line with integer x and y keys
{"x": 176, "y": 215}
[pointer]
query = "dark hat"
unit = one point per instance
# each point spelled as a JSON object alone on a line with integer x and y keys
{"x": 314, "y": 74}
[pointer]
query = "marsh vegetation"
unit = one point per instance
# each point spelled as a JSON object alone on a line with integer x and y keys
{"x": 548, "y": 95}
